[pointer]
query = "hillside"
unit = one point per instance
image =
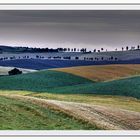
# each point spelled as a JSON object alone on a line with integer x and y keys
{"x": 7, "y": 51}
{"x": 123, "y": 87}
{"x": 40, "y": 64}
{"x": 55, "y": 100}
{"x": 103, "y": 72}
{"x": 40, "y": 81}
{"x": 84, "y": 115}
{"x": 22, "y": 114}
{"x": 60, "y": 82}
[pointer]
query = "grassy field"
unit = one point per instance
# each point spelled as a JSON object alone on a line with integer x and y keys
{"x": 31, "y": 111}
{"x": 105, "y": 100}
{"x": 59, "y": 82}
{"x": 24, "y": 115}
{"x": 35, "y": 111}
{"x": 124, "y": 87}
{"x": 103, "y": 72}
{"x": 128, "y": 103}
{"x": 40, "y": 81}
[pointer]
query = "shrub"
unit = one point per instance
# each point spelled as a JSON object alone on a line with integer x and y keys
{"x": 14, "y": 71}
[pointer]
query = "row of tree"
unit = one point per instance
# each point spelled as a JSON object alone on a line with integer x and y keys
{"x": 131, "y": 48}
{"x": 43, "y": 50}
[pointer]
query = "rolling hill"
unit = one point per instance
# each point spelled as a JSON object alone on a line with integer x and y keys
{"x": 26, "y": 110}
{"x": 7, "y": 51}
{"x": 57, "y": 100}
{"x": 40, "y": 64}
{"x": 40, "y": 81}
{"x": 103, "y": 72}
{"x": 123, "y": 87}
{"x": 59, "y": 82}
{"x": 25, "y": 115}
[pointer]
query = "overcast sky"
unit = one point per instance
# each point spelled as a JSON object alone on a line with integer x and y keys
{"x": 88, "y": 29}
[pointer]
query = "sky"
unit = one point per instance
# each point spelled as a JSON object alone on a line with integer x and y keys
{"x": 91, "y": 29}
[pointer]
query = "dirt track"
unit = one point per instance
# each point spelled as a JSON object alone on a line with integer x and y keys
{"x": 104, "y": 117}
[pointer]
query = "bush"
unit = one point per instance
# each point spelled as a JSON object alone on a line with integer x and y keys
{"x": 14, "y": 71}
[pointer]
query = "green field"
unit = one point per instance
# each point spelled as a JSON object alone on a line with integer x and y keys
{"x": 124, "y": 87}
{"x": 23, "y": 115}
{"x": 40, "y": 81}
{"x": 60, "y": 82}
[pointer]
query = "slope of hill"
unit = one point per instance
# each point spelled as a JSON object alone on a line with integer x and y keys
{"x": 4, "y": 48}
{"x": 60, "y": 82}
{"x": 104, "y": 55}
{"x": 97, "y": 108}
{"x": 19, "y": 114}
{"x": 120, "y": 55}
{"x": 103, "y": 72}
{"x": 39, "y": 64}
{"x": 123, "y": 87}
{"x": 127, "y": 103}
{"x": 92, "y": 116}
{"x": 40, "y": 81}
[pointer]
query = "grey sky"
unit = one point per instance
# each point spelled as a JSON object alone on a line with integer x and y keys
{"x": 91, "y": 29}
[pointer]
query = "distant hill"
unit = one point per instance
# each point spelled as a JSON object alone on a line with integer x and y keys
{"x": 103, "y": 72}
{"x": 39, "y": 64}
{"x": 59, "y": 82}
{"x": 10, "y": 49}
{"x": 6, "y": 49}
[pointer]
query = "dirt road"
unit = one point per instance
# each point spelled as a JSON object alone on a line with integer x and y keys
{"x": 108, "y": 118}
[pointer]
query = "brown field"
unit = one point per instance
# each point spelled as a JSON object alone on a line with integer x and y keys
{"x": 103, "y": 72}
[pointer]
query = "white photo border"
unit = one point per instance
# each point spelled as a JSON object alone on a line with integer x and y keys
{"x": 71, "y": 6}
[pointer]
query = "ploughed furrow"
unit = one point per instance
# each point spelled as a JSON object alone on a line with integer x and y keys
{"x": 109, "y": 118}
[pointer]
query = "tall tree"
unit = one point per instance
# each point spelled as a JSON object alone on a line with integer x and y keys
{"x": 127, "y": 48}
{"x": 102, "y": 49}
